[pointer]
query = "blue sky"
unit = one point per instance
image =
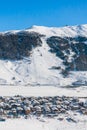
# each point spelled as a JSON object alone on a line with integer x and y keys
{"x": 20, "y": 14}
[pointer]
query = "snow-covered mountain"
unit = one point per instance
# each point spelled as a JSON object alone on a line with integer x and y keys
{"x": 44, "y": 56}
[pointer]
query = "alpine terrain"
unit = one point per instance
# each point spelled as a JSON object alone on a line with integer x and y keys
{"x": 44, "y": 56}
{"x": 43, "y": 78}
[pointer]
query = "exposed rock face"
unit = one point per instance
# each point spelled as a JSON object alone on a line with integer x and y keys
{"x": 73, "y": 51}
{"x": 19, "y": 45}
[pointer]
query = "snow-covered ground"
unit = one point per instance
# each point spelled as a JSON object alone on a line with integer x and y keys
{"x": 43, "y": 91}
{"x": 67, "y": 31}
{"x": 42, "y": 124}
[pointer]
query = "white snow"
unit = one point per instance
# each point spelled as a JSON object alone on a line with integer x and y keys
{"x": 41, "y": 65}
{"x": 44, "y": 124}
{"x": 42, "y": 91}
{"x": 67, "y": 31}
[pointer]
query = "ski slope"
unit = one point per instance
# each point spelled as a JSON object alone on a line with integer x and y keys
{"x": 37, "y": 68}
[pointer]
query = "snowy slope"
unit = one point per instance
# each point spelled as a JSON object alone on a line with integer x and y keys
{"x": 36, "y": 69}
{"x": 38, "y": 72}
{"x": 67, "y": 31}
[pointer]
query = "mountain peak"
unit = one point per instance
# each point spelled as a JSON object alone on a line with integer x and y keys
{"x": 66, "y": 31}
{"x": 58, "y": 58}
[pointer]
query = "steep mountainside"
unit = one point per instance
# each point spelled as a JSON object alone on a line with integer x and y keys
{"x": 44, "y": 56}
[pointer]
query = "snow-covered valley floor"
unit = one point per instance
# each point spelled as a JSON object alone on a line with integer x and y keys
{"x": 44, "y": 123}
{"x": 43, "y": 91}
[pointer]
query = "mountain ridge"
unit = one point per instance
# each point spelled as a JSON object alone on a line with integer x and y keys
{"x": 44, "y": 56}
{"x": 71, "y": 29}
